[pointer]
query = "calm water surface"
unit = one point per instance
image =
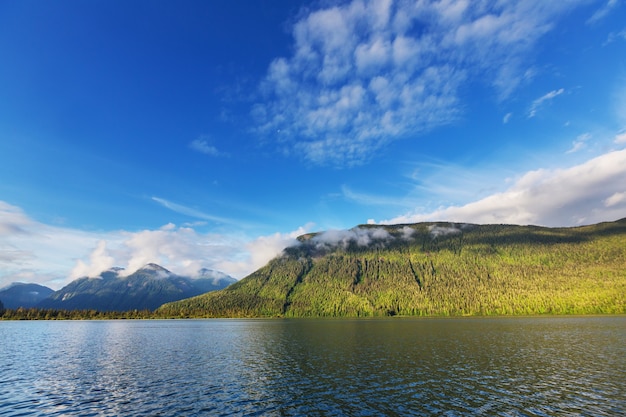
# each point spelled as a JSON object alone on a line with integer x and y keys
{"x": 544, "y": 366}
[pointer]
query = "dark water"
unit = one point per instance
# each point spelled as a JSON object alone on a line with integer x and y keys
{"x": 501, "y": 366}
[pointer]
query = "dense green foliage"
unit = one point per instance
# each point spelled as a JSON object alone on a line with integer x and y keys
{"x": 33, "y": 313}
{"x": 433, "y": 269}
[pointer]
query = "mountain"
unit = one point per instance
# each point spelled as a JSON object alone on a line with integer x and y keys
{"x": 147, "y": 288}
{"x": 24, "y": 295}
{"x": 432, "y": 269}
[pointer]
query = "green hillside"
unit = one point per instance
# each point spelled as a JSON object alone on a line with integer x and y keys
{"x": 432, "y": 269}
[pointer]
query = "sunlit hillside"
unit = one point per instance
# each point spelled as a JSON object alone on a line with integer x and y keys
{"x": 432, "y": 269}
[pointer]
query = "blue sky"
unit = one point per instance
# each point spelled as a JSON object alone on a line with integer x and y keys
{"x": 210, "y": 134}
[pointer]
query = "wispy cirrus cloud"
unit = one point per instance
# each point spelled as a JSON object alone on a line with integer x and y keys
{"x": 536, "y": 104}
{"x": 615, "y": 36}
{"x": 602, "y": 12}
{"x": 580, "y": 142}
{"x": 586, "y": 193}
{"x": 202, "y": 145}
{"x": 373, "y": 200}
{"x": 191, "y": 212}
{"x": 363, "y": 74}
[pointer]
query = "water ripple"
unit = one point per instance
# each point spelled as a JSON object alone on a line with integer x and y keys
{"x": 484, "y": 367}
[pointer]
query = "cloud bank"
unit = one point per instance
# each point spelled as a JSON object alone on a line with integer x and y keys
{"x": 31, "y": 251}
{"x": 371, "y": 236}
{"x": 587, "y": 193}
{"x": 365, "y": 73}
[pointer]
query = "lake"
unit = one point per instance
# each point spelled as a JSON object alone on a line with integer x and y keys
{"x": 540, "y": 366}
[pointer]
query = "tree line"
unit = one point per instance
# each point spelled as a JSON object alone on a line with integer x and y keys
{"x": 463, "y": 270}
{"x": 459, "y": 270}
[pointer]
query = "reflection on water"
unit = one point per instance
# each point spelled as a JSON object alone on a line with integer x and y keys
{"x": 496, "y": 366}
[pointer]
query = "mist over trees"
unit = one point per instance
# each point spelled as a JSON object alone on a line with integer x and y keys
{"x": 431, "y": 269}
{"x": 424, "y": 269}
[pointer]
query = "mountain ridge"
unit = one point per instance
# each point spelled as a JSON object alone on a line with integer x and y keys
{"x": 21, "y": 294}
{"x": 434, "y": 268}
{"x": 147, "y": 288}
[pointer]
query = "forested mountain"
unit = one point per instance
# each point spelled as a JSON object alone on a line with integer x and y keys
{"x": 432, "y": 269}
{"x": 147, "y": 288}
{"x": 24, "y": 295}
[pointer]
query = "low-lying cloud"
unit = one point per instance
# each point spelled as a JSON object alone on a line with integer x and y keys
{"x": 53, "y": 256}
{"x": 370, "y": 237}
{"x": 436, "y": 230}
{"x": 343, "y": 238}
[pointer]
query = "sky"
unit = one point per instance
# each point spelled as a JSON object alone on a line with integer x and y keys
{"x": 210, "y": 134}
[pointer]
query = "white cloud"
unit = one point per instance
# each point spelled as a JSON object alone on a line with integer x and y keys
{"x": 615, "y": 36}
{"x": 407, "y": 233}
{"x": 579, "y": 143}
{"x": 191, "y": 212}
{"x": 507, "y": 118}
{"x": 587, "y": 193}
{"x": 37, "y": 252}
{"x": 370, "y": 58}
{"x": 443, "y": 182}
{"x": 603, "y": 12}
{"x": 359, "y": 236}
{"x": 13, "y": 220}
{"x": 373, "y": 200}
{"x": 260, "y": 251}
{"x": 185, "y": 251}
{"x": 53, "y": 256}
{"x": 620, "y": 138}
{"x": 99, "y": 260}
{"x": 539, "y": 102}
{"x": 616, "y": 199}
{"x": 437, "y": 230}
{"x": 362, "y": 74}
{"x": 202, "y": 145}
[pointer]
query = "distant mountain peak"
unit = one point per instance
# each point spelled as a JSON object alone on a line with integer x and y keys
{"x": 148, "y": 287}
{"x": 153, "y": 270}
{"x": 22, "y": 285}
{"x": 20, "y": 294}
{"x": 211, "y": 273}
{"x": 215, "y": 277}
{"x": 154, "y": 267}
{"x": 11, "y": 285}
